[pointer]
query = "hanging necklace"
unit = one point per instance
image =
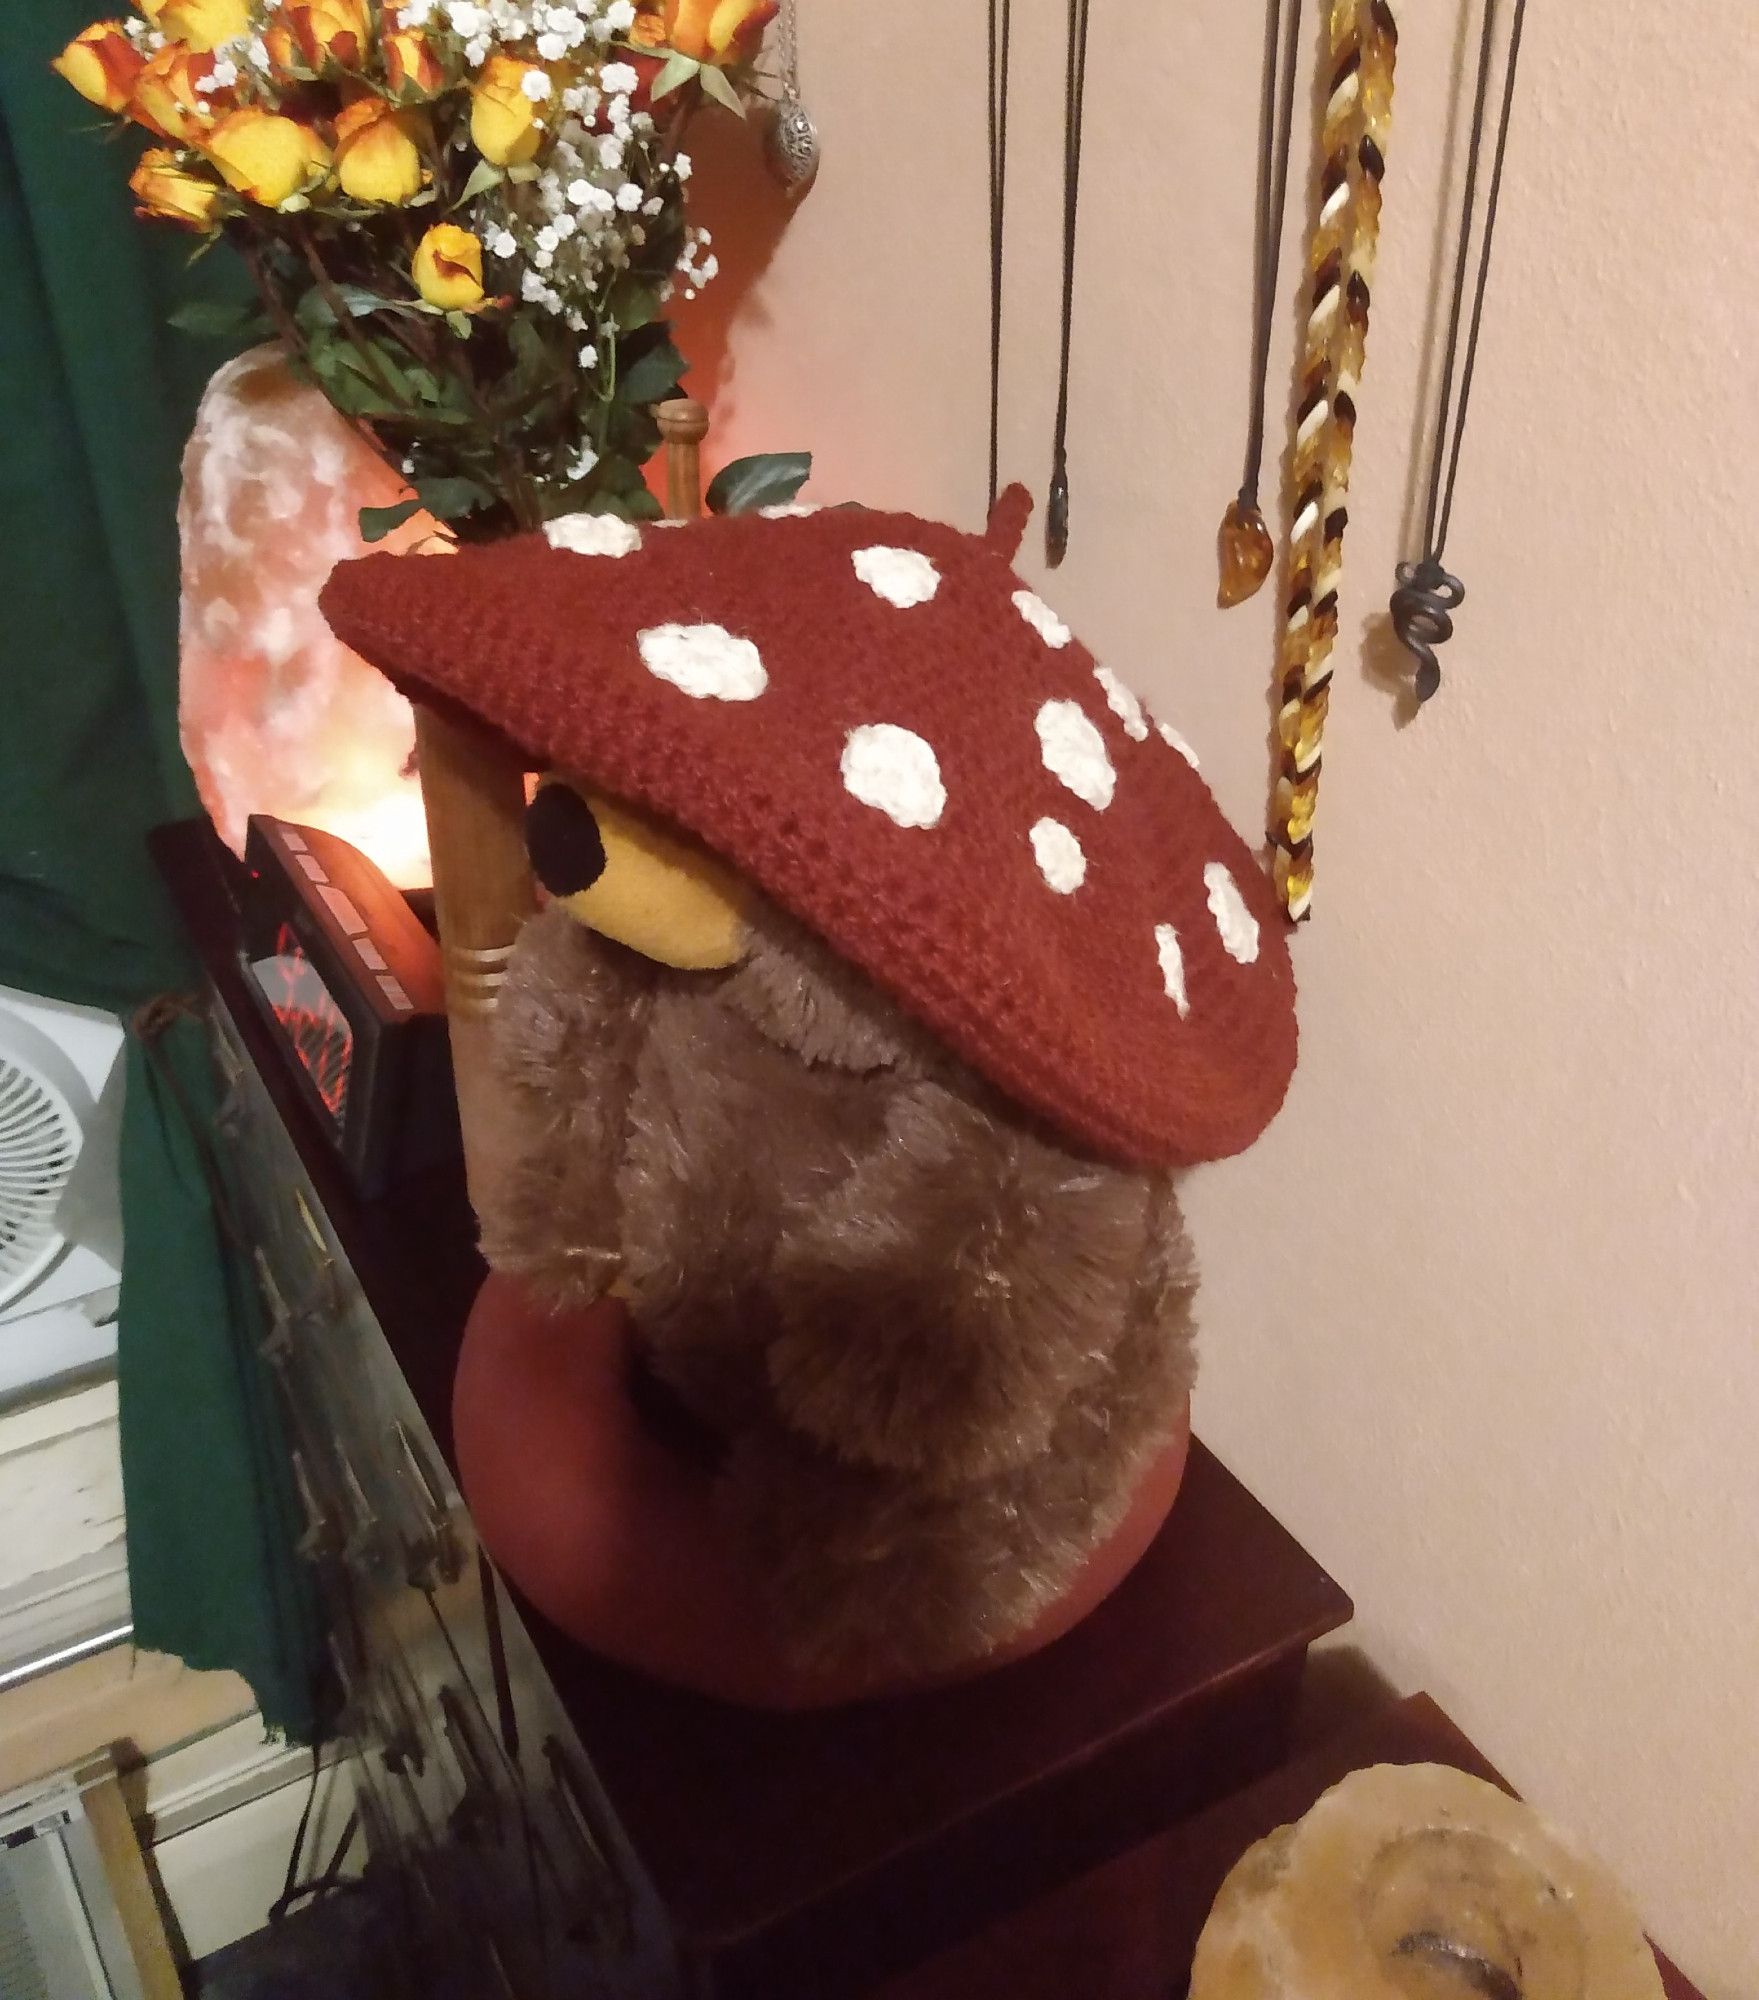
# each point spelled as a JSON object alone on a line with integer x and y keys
{"x": 1056, "y": 520}
{"x": 1362, "y": 46}
{"x": 793, "y": 137}
{"x": 1243, "y": 544}
{"x": 1427, "y": 596}
{"x": 1001, "y": 23}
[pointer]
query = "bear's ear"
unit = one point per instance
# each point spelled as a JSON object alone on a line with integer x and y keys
{"x": 1007, "y": 521}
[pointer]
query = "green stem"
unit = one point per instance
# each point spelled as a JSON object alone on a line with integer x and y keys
{"x": 345, "y": 319}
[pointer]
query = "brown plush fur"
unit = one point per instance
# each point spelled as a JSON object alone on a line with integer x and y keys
{"x": 941, "y": 1346}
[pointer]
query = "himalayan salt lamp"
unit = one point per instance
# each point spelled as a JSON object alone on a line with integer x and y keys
{"x": 1413, "y": 1882}
{"x": 276, "y": 714}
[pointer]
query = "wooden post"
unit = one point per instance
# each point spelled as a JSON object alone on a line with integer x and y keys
{"x": 683, "y": 424}
{"x": 473, "y": 790}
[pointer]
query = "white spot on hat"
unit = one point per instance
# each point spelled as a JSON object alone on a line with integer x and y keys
{"x": 706, "y": 661}
{"x": 593, "y": 535}
{"x": 1123, "y": 704}
{"x": 894, "y": 771}
{"x": 1172, "y": 966}
{"x": 1059, "y": 856}
{"x": 793, "y": 510}
{"x": 1043, "y": 620}
{"x": 1168, "y": 734}
{"x": 1236, "y": 926}
{"x": 1074, "y": 751}
{"x": 903, "y": 577}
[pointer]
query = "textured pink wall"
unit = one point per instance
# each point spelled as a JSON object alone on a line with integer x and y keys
{"x": 1481, "y": 1310}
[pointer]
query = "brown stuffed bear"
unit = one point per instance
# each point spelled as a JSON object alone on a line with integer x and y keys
{"x": 895, "y": 963}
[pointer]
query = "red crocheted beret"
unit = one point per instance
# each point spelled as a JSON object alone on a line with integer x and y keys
{"x": 877, "y": 722}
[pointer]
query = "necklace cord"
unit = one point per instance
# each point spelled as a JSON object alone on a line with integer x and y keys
{"x": 1446, "y": 461}
{"x": 1074, "y": 105}
{"x": 1273, "y": 186}
{"x": 1492, "y": 200}
{"x": 1426, "y": 595}
{"x": 1000, "y": 37}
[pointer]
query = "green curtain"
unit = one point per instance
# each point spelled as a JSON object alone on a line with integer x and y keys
{"x": 96, "y": 399}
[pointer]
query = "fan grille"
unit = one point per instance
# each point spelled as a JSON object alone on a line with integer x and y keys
{"x": 39, "y": 1143}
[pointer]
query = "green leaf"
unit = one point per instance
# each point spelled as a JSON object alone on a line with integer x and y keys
{"x": 652, "y": 376}
{"x": 377, "y": 522}
{"x": 360, "y": 301}
{"x": 766, "y": 479}
{"x": 341, "y": 373}
{"x": 459, "y": 323}
{"x": 632, "y": 303}
{"x": 483, "y": 176}
{"x": 715, "y": 85}
{"x": 678, "y": 71}
{"x": 313, "y": 311}
{"x": 446, "y": 499}
{"x": 219, "y": 320}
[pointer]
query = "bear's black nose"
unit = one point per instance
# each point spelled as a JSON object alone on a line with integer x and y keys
{"x": 562, "y": 838}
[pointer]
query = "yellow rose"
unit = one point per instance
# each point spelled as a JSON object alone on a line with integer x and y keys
{"x": 201, "y": 24}
{"x": 716, "y": 31}
{"x": 378, "y": 151}
{"x": 265, "y": 157}
{"x": 503, "y": 120}
{"x": 166, "y": 99}
{"x": 169, "y": 190}
{"x": 411, "y": 67}
{"x": 448, "y": 268}
{"x": 335, "y": 31}
{"x": 102, "y": 64}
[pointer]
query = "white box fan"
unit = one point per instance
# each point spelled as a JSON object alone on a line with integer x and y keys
{"x": 60, "y": 1209}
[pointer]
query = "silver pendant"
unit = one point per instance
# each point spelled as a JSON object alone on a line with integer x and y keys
{"x": 793, "y": 146}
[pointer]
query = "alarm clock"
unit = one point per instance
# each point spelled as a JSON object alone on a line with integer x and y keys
{"x": 349, "y": 981}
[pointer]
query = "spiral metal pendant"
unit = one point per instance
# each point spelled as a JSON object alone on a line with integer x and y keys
{"x": 1422, "y": 613}
{"x": 793, "y": 146}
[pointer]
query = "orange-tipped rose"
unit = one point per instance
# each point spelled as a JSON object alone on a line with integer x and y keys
{"x": 412, "y": 68}
{"x": 448, "y": 268}
{"x": 378, "y": 151}
{"x": 166, "y": 99}
{"x": 503, "y": 120}
{"x": 285, "y": 59}
{"x": 266, "y": 158}
{"x": 171, "y": 192}
{"x": 328, "y": 31}
{"x": 717, "y": 31}
{"x": 201, "y": 24}
{"x": 102, "y": 64}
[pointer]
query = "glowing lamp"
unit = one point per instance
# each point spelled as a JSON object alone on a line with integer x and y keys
{"x": 276, "y": 715}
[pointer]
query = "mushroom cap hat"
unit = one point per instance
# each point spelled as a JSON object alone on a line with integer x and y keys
{"x": 874, "y": 720}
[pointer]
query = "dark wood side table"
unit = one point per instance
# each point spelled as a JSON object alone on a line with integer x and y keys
{"x": 806, "y": 1857}
{"x": 1127, "y": 1930}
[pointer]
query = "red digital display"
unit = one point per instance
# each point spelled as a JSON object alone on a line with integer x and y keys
{"x": 308, "y": 1016}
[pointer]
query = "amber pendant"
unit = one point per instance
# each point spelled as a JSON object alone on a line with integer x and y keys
{"x": 1246, "y": 553}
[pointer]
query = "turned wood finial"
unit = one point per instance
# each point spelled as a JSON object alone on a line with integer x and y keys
{"x": 683, "y": 423}
{"x": 474, "y": 791}
{"x": 473, "y": 786}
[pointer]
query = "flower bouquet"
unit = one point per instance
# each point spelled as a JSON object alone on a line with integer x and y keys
{"x": 464, "y": 218}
